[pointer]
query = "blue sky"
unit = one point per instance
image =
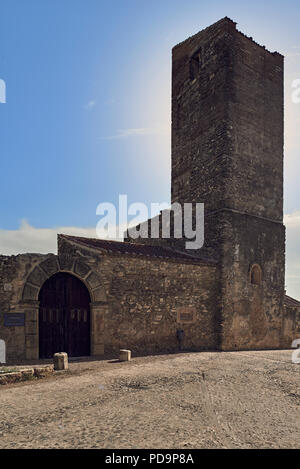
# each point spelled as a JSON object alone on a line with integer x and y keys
{"x": 88, "y": 104}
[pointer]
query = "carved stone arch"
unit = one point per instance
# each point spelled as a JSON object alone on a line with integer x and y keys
{"x": 54, "y": 264}
{"x": 37, "y": 277}
{"x": 29, "y": 301}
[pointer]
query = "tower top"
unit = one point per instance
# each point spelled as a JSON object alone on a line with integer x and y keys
{"x": 228, "y": 23}
{"x": 227, "y": 123}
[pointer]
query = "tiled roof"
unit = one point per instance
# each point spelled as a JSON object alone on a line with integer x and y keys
{"x": 291, "y": 302}
{"x": 138, "y": 249}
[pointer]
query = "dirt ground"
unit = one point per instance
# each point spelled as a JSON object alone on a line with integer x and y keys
{"x": 188, "y": 400}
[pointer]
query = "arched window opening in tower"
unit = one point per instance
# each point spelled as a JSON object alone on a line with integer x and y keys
{"x": 255, "y": 274}
{"x": 195, "y": 64}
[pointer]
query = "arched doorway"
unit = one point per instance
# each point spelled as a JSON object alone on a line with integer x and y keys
{"x": 64, "y": 316}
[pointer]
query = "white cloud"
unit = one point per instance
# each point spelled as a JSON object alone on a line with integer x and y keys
{"x": 90, "y": 104}
{"x": 38, "y": 240}
{"x": 292, "y": 56}
{"x": 292, "y": 220}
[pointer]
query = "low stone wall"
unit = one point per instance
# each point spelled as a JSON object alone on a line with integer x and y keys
{"x": 26, "y": 374}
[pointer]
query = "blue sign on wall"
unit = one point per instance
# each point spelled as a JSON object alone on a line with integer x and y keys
{"x": 14, "y": 319}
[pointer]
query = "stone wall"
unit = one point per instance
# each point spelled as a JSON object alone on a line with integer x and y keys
{"x": 252, "y": 313}
{"x": 13, "y": 272}
{"x": 255, "y": 109}
{"x": 148, "y": 299}
{"x": 200, "y": 124}
{"x": 137, "y": 302}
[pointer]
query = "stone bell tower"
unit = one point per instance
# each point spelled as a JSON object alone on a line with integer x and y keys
{"x": 227, "y": 151}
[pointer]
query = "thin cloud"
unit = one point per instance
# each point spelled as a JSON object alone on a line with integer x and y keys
{"x": 90, "y": 105}
{"x": 136, "y": 132}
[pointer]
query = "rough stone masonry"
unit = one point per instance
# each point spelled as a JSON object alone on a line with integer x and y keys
{"x": 95, "y": 296}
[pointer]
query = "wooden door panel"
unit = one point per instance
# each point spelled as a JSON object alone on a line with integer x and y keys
{"x": 64, "y": 319}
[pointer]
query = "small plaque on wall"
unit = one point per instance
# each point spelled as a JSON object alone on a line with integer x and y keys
{"x": 186, "y": 315}
{"x": 14, "y": 319}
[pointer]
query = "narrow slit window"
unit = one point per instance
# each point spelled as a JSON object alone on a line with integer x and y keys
{"x": 195, "y": 64}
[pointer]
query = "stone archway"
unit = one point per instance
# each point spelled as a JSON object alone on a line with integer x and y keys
{"x": 29, "y": 302}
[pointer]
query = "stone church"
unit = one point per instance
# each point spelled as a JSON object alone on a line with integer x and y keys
{"x": 97, "y": 296}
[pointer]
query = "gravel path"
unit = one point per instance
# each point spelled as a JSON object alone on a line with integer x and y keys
{"x": 189, "y": 400}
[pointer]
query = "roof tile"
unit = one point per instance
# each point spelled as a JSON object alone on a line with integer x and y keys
{"x": 138, "y": 249}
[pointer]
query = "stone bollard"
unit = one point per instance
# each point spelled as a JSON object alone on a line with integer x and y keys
{"x": 125, "y": 355}
{"x": 60, "y": 361}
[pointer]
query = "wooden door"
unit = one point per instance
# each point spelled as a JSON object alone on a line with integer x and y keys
{"x": 64, "y": 317}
